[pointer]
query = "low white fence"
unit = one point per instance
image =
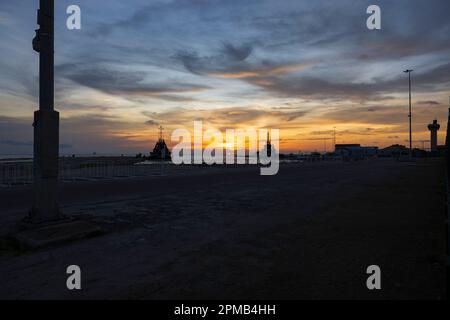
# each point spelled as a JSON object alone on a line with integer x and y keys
{"x": 22, "y": 172}
{"x": 16, "y": 173}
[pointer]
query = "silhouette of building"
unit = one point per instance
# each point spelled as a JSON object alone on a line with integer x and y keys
{"x": 400, "y": 151}
{"x": 396, "y": 150}
{"x": 160, "y": 151}
{"x": 434, "y": 128}
{"x": 355, "y": 151}
{"x": 269, "y": 145}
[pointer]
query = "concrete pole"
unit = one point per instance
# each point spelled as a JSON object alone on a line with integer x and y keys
{"x": 46, "y": 123}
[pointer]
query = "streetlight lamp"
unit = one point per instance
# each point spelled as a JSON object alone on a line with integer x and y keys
{"x": 408, "y": 71}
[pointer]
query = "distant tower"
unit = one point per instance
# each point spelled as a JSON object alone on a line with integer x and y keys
{"x": 161, "y": 135}
{"x": 269, "y": 145}
{"x": 434, "y": 127}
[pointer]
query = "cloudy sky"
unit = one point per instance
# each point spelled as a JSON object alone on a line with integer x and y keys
{"x": 304, "y": 67}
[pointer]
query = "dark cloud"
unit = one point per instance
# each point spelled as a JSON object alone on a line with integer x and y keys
{"x": 125, "y": 83}
{"x": 191, "y": 61}
{"x": 321, "y": 88}
{"x": 237, "y": 53}
{"x": 151, "y": 123}
{"x": 429, "y": 103}
{"x": 229, "y": 57}
{"x": 224, "y": 117}
{"x": 386, "y": 115}
{"x": 14, "y": 143}
{"x": 233, "y": 66}
{"x": 101, "y": 134}
{"x": 17, "y": 134}
{"x": 391, "y": 118}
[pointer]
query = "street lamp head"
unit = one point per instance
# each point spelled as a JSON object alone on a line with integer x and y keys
{"x": 408, "y": 71}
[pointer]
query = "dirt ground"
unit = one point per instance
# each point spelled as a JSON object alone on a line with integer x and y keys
{"x": 309, "y": 232}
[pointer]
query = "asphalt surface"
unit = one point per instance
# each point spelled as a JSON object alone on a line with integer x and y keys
{"x": 309, "y": 232}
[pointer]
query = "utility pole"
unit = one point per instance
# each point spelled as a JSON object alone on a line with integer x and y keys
{"x": 408, "y": 71}
{"x": 46, "y": 123}
{"x": 334, "y": 138}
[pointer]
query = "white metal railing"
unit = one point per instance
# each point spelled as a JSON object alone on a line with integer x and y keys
{"x": 22, "y": 173}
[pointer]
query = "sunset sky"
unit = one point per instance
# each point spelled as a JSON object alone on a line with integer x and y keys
{"x": 303, "y": 67}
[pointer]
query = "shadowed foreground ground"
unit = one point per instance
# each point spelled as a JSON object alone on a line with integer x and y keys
{"x": 309, "y": 232}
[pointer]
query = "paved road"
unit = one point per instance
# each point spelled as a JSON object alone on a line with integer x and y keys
{"x": 310, "y": 232}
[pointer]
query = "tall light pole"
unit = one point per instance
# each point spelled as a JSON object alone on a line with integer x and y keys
{"x": 46, "y": 123}
{"x": 334, "y": 138}
{"x": 408, "y": 71}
